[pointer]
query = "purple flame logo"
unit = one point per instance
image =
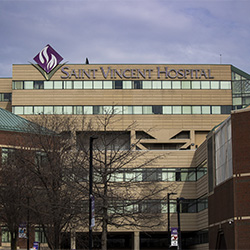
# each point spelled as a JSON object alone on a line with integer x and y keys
{"x": 48, "y": 58}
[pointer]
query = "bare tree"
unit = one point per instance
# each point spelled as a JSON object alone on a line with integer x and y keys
{"x": 50, "y": 160}
{"x": 120, "y": 195}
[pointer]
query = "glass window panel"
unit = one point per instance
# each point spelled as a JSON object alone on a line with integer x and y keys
{"x": 237, "y": 101}
{"x": 196, "y": 84}
{"x": 167, "y": 110}
{"x": 205, "y": 85}
{"x": 147, "y": 110}
{"x": 186, "y": 84}
{"x": 186, "y": 110}
{"x": 58, "y": 85}
{"x": 18, "y": 85}
{"x": 97, "y": 110}
{"x": 137, "y": 84}
{"x": 146, "y": 85}
{"x": 156, "y": 84}
{"x": 118, "y": 110}
{"x": 166, "y": 84}
{"x": 176, "y": 84}
{"x": 225, "y": 85}
{"x": 28, "y": 84}
{"x": 18, "y": 110}
{"x": 205, "y": 110}
{"x": 107, "y": 84}
{"x": 97, "y": 84}
{"x": 78, "y": 110}
{"x": 48, "y": 110}
{"x": 172, "y": 207}
{"x": 216, "y": 109}
{"x": 38, "y": 84}
{"x": 38, "y": 109}
{"x": 77, "y": 84}
{"x": 196, "y": 110}
{"x": 68, "y": 110}
{"x": 117, "y": 84}
{"x": 215, "y": 84}
{"x": 58, "y": 110}
{"x": 68, "y": 85}
{"x": 88, "y": 85}
{"x": 28, "y": 110}
{"x": 88, "y": 110}
{"x": 184, "y": 176}
{"x": 157, "y": 109}
{"x": 6, "y": 97}
{"x": 176, "y": 110}
{"x": 48, "y": 84}
{"x": 107, "y": 109}
{"x": 137, "y": 110}
{"x": 127, "y": 84}
{"x": 6, "y": 237}
{"x": 127, "y": 110}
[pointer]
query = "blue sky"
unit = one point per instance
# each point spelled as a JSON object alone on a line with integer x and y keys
{"x": 126, "y": 31}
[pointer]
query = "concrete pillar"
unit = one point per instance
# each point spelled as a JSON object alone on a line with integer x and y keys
{"x": 136, "y": 241}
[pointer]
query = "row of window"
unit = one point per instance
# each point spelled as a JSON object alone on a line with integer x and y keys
{"x": 123, "y": 110}
{"x": 118, "y": 84}
{"x": 155, "y": 174}
{"x": 5, "y": 97}
{"x": 154, "y": 206}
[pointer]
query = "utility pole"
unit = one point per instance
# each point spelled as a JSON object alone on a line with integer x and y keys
{"x": 178, "y": 200}
{"x": 169, "y": 239}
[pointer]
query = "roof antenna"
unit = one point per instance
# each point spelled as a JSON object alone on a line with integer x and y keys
{"x": 220, "y": 58}
{"x": 87, "y": 60}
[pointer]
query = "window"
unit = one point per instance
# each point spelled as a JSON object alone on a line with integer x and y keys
{"x": 137, "y": 110}
{"x": 196, "y": 84}
{"x": 40, "y": 235}
{"x": 156, "y": 84}
{"x": 38, "y": 84}
{"x": 48, "y": 110}
{"x": 38, "y": 109}
{"x": 147, "y": 110}
{"x": 97, "y": 84}
{"x": 68, "y": 110}
{"x": 205, "y": 85}
{"x": 58, "y": 110}
{"x": 127, "y": 84}
{"x": 78, "y": 110}
{"x": 186, "y": 110}
{"x": 77, "y": 84}
{"x": 128, "y": 110}
{"x": 18, "y": 85}
{"x": 18, "y": 110}
{"x": 28, "y": 84}
{"x": 137, "y": 85}
{"x": 205, "y": 110}
{"x": 28, "y": 110}
{"x": 58, "y": 85}
{"x": 157, "y": 109}
{"x": 117, "y": 84}
{"x": 107, "y": 84}
{"x": 176, "y": 110}
{"x": 88, "y": 84}
{"x": 6, "y": 97}
{"x": 196, "y": 110}
{"x": 48, "y": 85}
{"x": 146, "y": 85}
{"x": 176, "y": 84}
{"x": 5, "y": 235}
{"x": 167, "y": 110}
{"x": 88, "y": 110}
{"x": 166, "y": 84}
{"x": 216, "y": 109}
{"x": 215, "y": 84}
{"x": 186, "y": 85}
{"x": 97, "y": 110}
{"x": 225, "y": 85}
{"x": 68, "y": 85}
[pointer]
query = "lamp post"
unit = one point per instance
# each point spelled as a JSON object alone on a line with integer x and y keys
{"x": 91, "y": 198}
{"x": 169, "y": 239}
{"x": 178, "y": 200}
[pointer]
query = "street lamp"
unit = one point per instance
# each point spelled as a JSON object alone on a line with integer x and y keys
{"x": 178, "y": 200}
{"x": 169, "y": 239}
{"x": 91, "y": 198}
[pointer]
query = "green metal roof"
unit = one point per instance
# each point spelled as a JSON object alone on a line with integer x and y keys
{"x": 15, "y": 123}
